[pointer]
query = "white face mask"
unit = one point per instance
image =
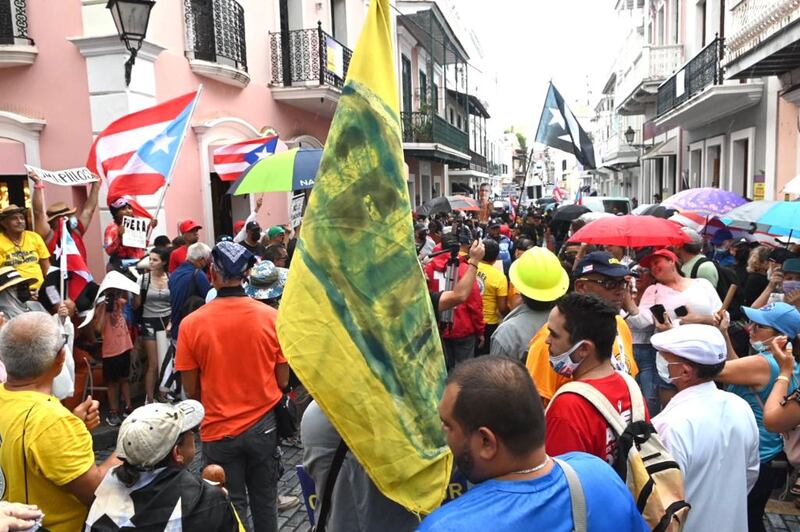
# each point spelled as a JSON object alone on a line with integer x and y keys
{"x": 761, "y": 346}
{"x": 72, "y": 221}
{"x": 563, "y": 363}
{"x": 662, "y": 367}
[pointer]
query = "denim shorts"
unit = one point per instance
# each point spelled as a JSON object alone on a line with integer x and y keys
{"x": 150, "y": 326}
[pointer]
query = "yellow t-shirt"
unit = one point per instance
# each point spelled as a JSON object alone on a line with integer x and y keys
{"x": 58, "y": 449}
{"x": 25, "y": 258}
{"x": 548, "y": 381}
{"x": 493, "y": 284}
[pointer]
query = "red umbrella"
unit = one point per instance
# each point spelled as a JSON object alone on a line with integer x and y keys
{"x": 631, "y": 232}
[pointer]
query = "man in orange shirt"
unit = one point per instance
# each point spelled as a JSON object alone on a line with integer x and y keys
{"x": 230, "y": 359}
{"x": 600, "y": 274}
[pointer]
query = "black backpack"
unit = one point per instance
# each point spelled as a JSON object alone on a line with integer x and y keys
{"x": 727, "y": 277}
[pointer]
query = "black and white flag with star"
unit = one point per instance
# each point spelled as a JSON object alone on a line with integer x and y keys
{"x": 559, "y": 129}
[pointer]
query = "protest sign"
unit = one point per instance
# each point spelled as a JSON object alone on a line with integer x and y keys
{"x": 296, "y": 210}
{"x": 335, "y": 57}
{"x": 68, "y": 178}
{"x": 135, "y": 235}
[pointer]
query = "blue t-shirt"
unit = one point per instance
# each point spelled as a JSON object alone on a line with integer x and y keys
{"x": 543, "y": 503}
{"x": 770, "y": 444}
{"x": 180, "y": 287}
{"x": 505, "y": 245}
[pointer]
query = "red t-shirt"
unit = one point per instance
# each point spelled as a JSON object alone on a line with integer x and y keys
{"x": 177, "y": 257}
{"x": 574, "y": 424}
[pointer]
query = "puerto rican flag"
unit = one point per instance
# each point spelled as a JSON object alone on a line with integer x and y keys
{"x": 558, "y": 194}
{"x": 233, "y": 159}
{"x": 135, "y": 154}
{"x": 71, "y": 261}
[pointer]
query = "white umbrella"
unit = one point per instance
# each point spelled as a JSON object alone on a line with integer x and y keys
{"x": 592, "y": 216}
{"x": 793, "y": 186}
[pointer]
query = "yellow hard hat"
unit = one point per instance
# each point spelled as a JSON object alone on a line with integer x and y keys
{"x": 538, "y": 274}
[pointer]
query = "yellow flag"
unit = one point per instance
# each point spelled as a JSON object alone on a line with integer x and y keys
{"x": 356, "y": 322}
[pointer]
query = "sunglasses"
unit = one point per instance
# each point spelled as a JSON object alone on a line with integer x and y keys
{"x": 608, "y": 284}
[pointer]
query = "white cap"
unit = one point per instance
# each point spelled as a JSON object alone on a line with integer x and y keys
{"x": 701, "y": 344}
{"x": 147, "y": 436}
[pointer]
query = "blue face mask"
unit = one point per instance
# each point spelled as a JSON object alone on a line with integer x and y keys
{"x": 72, "y": 221}
{"x": 761, "y": 346}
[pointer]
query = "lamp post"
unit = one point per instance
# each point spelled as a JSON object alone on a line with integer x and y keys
{"x": 630, "y": 136}
{"x": 131, "y": 18}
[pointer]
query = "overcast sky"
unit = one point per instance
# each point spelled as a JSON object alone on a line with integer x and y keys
{"x": 529, "y": 42}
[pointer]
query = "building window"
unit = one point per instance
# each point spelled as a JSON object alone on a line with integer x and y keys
{"x": 452, "y": 117}
{"x": 406, "y": 74}
{"x": 458, "y": 120}
{"x": 215, "y": 32}
{"x": 423, "y": 89}
{"x": 676, "y": 22}
{"x": 435, "y": 98}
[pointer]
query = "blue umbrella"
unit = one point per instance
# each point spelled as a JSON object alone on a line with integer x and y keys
{"x": 783, "y": 218}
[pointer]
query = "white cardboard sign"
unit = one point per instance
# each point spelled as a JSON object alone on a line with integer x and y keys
{"x": 67, "y": 178}
{"x": 135, "y": 235}
{"x": 296, "y": 210}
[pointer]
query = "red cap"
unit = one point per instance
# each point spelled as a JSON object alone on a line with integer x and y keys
{"x": 237, "y": 226}
{"x": 667, "y": 254}
{"x": 189, "y": 225}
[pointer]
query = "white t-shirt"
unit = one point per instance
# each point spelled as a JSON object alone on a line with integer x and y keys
{"x": 700, "y": 298}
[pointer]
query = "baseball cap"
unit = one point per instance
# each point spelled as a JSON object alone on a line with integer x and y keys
{"x": 791, "y": 265}
{"x": 232, "y": 259}
{"x": 601, "y": 262}
{"x": 721, "y": 236}
{"x": 275, "y": 230}
{"x": 147, "y": 436}
{"x": 252, "y": 225}
{"x": 237, "y": 226}
{"x": 667, "y": 254}
{"x": 691, "y": 233}
{"x": 702, "y": 344}
{"x": 782, "y": 317}
{"x": 189, "y": 225}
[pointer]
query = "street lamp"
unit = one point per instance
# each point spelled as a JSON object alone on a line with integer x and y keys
{"x": 629, "y": 135}
{"x": 131, "y": 18}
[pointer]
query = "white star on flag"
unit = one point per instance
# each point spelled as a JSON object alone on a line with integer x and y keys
{"x": 556, "y": 118}
{"x": 162, "y": 143}
{"x": 263, "y": 153}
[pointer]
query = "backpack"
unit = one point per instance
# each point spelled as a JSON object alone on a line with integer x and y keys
{"x": 727, "y": 278}
{"x": 643, "y": 463}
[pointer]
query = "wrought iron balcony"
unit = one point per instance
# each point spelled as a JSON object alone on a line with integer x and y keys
{"x": 431, "y": 128}
{"x": 215, "y": 32}
{"x": 14, "y": 23}
{"x": 477, "y": 162}
{"x": 310, "y": 56}
{"x": 703, "y": 70}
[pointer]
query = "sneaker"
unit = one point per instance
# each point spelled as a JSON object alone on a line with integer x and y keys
{"x": 128, "y": 411}
{"x": 113, "y": 419}
{"x": 287, "y": 501}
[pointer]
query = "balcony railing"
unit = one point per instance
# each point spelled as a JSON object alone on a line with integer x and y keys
{"x": 702, "y": 71}
{"x": 215, "y": 32}
{"x": 655, "y": 64}
{"x": 428, "y": 127}
{"x": 755, "y": 20}
{"x": 301, "y": 57}
{"x": 14, "y": 23}
{"x": 477, "y": 162}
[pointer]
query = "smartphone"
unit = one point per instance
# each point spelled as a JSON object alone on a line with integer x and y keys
{"x": 658, "y": 312}
{"x": 681, "y": 311}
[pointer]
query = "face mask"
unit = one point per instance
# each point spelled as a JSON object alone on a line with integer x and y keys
{"x": 720, "y": 250}
{"x": 760, "y": 346}
{"x": 255, "y": 235}
{"x": 563, "y": 363}
{"x": 72, "y": 221}
{"x": 662, "y": 367}
{"x": 790, "y": 286}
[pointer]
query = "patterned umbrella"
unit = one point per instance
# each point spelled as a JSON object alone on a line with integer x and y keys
{"x": 294, "y": 169}
{"x": 704, "y": 200}
{"x": 447, "y": 204}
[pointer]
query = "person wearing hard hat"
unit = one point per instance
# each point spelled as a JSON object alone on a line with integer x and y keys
{"x": 538, "y": 276}
{"x": 597, "y": 273}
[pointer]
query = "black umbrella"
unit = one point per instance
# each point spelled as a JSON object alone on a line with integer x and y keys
{"x": 659, "y": 211}
{"x": 570, "y": 213}
{"x": 447, "y": 204}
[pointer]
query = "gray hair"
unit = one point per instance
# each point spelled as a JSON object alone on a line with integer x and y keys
{"x": 198, "y": 251}
{"x": 29, "y": 344}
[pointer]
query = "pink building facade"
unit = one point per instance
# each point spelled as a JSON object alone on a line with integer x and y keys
{"x": 264, "y": 65}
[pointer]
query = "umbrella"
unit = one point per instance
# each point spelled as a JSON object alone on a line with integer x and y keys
{"x": 447, "y": 204}
{"x": 659, "y": 211}
{"x": 631, "y": 231}
{"x": 592, "y": 216}
{"x": 294, "y": 169}
{"x": 747, "y": 216}
{"x": 704, "y": 200}
{"x": 570, "y": 213}
{"x": 783, "y": 218}
{"x": 642, "y": 207}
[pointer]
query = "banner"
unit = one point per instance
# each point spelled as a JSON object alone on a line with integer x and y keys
{"x": 296, "y": 210}
{"x": 335, "y": 57}
{"x": 135, "y": 235}
{"x": 66, "y": 178}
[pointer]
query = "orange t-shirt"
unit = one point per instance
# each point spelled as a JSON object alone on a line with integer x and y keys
{"x": 514, "y": 297}
{"x": 548, "y": 381}
{"x": 234, "y": 344}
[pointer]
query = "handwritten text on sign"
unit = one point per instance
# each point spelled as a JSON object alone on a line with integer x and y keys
{"x": 135, "y": 235}
{"x": 71, "y": 177}
{"x": 296, "y": 210}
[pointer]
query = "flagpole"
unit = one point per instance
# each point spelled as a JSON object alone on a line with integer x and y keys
{"x": 175, "y": 159}
{"x": 63, "y": 259}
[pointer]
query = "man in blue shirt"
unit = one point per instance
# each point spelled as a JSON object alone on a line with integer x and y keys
{"x": 505, "y": 245}
{"x": 722, "y": 241}
{"x": 500, "y": 448}
{"x": 186, "y": 281}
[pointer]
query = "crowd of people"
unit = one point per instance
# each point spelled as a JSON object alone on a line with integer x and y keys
{"x": 565, "y": 363}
